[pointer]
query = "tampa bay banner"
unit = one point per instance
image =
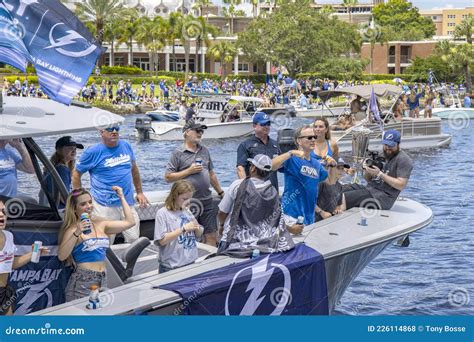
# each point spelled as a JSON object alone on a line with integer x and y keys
{"x": 288, "y": 283}
{"x": 38, "y": 285}
{"x": 47, "y": 34}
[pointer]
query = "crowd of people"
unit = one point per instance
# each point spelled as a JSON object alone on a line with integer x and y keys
{"x": 251, "y": 214}
{"x": 179, "y": 96}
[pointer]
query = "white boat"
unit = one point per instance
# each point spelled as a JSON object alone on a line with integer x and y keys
{"x": 225, "y": 117}
{"x": 416, "y": 133}
{"x": 453, "y": 108}
{"x": 345, "y": 246}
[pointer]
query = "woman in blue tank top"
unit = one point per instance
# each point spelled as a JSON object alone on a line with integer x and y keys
{"x": 84, "y": 243}
{"x": 325, "y": 146}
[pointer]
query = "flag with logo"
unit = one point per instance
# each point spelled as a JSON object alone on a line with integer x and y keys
{"x": 374, "y": 108}
{"x": 38, "y": 285}
{"x": 46, "y": 34}
{"x": 288, "y": 283}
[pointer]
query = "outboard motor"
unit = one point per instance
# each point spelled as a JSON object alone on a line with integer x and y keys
{"x": 143, "y": 127}
{"x": 286, "y": 139}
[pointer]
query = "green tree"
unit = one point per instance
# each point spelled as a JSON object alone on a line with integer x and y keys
{"x": 202, "y": 37}
{"x": 420, "y": 68}
{"x": 349, "y": 4}
{"x": 465, "y": 29}
{"x": 98, "y": 12}
{"x": 223, "y": 51}
{"x": 152, "y": 34}
{"x": 174, "y": 32}
{"x": 111, "y": 34}
{"x": 403, "y": 21}
{"x": 297, "y": 37}
{"x": 131, "y": 22}
{"x": 460, "y": 57}
{"x": 232, "y": 12}
{"x": 201, "y": 4}
{"x": 372, "y": 33}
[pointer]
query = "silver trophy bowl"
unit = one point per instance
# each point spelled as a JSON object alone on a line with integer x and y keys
{"x": 360, "y": 144}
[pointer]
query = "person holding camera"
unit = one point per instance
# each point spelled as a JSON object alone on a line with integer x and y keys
{"x": 385, "y": 181}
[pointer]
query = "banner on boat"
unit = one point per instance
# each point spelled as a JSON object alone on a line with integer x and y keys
{"x": 289, "y": 283}
{"x": 40, "y": 285}
{"x": 47, "y": 34}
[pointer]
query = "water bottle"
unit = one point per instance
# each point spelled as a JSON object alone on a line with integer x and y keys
{"x": 35, "y": 255}
{"x": 85, "y": 217}
{"x": 255, "y": 254}
{"x": 94, "y": 301}
{"x": 300, "y": 220}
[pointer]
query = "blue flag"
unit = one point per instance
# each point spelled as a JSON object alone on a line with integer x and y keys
{"x": 374, "y": 108}
{"x": 47, "y": 34}
{"x": 289, "y": 283}
{"x": 38, "y": 285}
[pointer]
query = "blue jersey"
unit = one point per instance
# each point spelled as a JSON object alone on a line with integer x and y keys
{"x": 109, "y": 166}
{"x": 9, "y": 159}
{"x": 302, "y": 178}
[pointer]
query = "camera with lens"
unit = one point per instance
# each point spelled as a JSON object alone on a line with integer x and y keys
{"x": 375, "y": 160}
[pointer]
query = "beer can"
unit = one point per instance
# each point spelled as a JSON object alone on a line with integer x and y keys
{"x": 300, "y": 220}
{"x": 85, "y": 217}
{"x": 35, "y": 256}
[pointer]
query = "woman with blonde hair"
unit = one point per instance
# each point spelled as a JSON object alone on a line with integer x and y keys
{"x": 84, "y": 243}
{"x": 324, "y": 146}
{"x": 176, "y": 229}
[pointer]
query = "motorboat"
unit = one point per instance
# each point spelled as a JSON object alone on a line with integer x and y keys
{"x": 345, "y": 243}
{"x": 225, "y": 117}
{"x": 452, "y": 109}
{"x": 416, "y": 133}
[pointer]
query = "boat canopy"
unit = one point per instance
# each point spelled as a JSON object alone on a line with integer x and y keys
{"x": 364, "y": 91}
{"x": 246, "y": 99}
{"x": 24, "y": 117}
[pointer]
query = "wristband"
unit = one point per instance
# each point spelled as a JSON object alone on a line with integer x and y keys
{"x": 76, "y": 235}
{"x": 220, "y": 193}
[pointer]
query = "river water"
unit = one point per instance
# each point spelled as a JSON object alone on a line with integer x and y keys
{"x": 433, "y": 276}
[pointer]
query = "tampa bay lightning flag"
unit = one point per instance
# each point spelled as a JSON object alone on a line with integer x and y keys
{"x": 38, "y": 285}
{"x": 288, "y": 283}
{"x": 374, "y": 108}
{"x": 47, "y": 34}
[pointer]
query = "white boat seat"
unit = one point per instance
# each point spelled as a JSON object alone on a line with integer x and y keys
{"x": 129, "y": 257}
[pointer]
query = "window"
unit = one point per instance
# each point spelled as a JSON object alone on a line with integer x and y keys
{"x": 243, "y": 67}
{"x": 451, "y": 24}
{"x": 434, "y": 17}
{"x": 450, "y": 33}
{"x": 255, "y": 68}
{"x": 464, "y": 16}
{"x": 451, "y": 16}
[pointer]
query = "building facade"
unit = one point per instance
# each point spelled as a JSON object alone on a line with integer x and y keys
{"x": 447, "y": 19}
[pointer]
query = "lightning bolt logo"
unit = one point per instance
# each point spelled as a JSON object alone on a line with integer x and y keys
{"x": 261, "y": 275}
{"x": 71, "y": 37}
{"x": 34, "y": 293}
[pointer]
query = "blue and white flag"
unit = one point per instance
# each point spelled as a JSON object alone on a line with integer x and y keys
{"x": 38, "y": 285}
{"x": 374, "y": 108}
{"x": 289, "y": 283}
{"x": 47, "y": 34}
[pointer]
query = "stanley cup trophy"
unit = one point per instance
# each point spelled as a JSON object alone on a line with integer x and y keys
{"x": 360, "y": 144}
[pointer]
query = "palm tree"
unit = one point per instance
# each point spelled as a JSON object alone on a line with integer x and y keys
{"x": 349, "y": 4}
{"x": 190, "y": 30}
{"x": 254, "y": 7}
{"x": 327, "y": 9}
{"x": 465, "y": 29}
{"x": 373, "y": 34}
{"x": 460, "y": 57}
{"x": 152, "y": 34}
{"x": 173, "y": 32}
{"x": 200, "y": 4}
{"x": 130, "y": 27}
{"x": 231, "y": 12}
{"x": 203, "y": 37}
{"x": 98, "y": 12}
{"x": 225, "y": 52}
{"x": 111, "y": 34}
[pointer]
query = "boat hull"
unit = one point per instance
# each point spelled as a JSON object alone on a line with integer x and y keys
{"x": 454, "y": 113}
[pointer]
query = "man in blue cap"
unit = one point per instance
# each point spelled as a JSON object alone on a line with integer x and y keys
{"x": 384, "y": 185}
{"x": 259, "y": 143}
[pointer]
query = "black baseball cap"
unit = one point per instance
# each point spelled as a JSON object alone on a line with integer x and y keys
{"x": 67, "y": 141}
{"x": 191, "y": 125}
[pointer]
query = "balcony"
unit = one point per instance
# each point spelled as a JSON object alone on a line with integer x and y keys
{"x": 404, "y": 59}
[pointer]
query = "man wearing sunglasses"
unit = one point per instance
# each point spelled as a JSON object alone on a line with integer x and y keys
{"x": 303, "y": 173}
{"x": 259, "y": 143}
{"x": 112, "y": 163}
{"x": 192, "y": 162}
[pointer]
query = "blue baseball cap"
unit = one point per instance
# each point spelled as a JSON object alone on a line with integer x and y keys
{"x": 261, "y": 118}
{"x": 391, "y": 138}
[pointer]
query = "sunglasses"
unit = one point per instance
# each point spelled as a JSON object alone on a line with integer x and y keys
{"x": 309, "y": 137}
{"x": 78, "y": 192}
{"x": 266, "y": 124}
{"x": 112, "y": 129}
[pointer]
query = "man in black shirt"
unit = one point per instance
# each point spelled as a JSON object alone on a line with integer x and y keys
{"x": 259, "y": 143}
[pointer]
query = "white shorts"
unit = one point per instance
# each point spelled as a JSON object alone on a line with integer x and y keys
{"x": 116, "y": 213}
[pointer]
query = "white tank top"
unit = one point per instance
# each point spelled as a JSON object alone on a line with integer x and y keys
{"x": 7, "y": 253}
